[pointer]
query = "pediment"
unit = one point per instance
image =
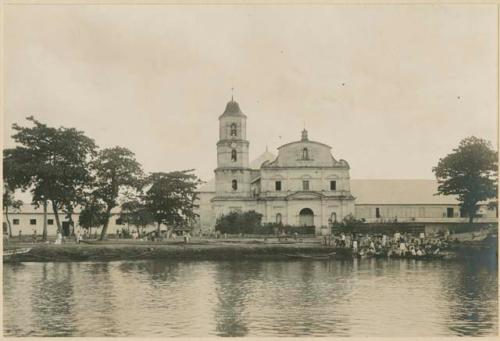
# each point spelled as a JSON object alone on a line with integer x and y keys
{"x": 304, "y": 195}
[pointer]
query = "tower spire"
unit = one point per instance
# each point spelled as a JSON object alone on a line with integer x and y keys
{"x": 232, "y": 94}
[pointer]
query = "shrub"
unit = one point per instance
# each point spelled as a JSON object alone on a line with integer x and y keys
{"x": 250, "y": 223}
{"x": 239, "y": 222}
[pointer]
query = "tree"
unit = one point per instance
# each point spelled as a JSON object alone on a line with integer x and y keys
{"x": 52, "y": 163}
{"x": 10, "y": 184}
{"x": 171, "y": 197}
{"x": 92, "y": 215}
{"x": 136, "y": 213}
{"x": 115, "y": 170}
{"x": 9, "y": 202}
{"x": 349, "y": 223}
{"x": 470, "y": 172}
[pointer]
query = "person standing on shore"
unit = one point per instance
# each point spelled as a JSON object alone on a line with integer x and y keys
{"x": 58, "y": 238}
{"x": 77, "y": 235}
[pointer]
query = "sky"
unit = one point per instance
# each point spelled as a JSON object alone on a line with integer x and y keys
{"x": 391, "y": 88}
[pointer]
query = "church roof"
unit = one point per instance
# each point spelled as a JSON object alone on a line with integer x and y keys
{"x": 266, "y": 156}
{"x": 398, "y": 192}
{"x": 303, "y": 142}
{"x": 233, "y": 109}
{"x": 304, "y": 139}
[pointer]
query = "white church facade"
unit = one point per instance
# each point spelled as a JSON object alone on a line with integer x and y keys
{"x": 305, "y": 185}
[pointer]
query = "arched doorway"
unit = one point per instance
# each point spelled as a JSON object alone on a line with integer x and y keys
{"x": 306, "y": 217}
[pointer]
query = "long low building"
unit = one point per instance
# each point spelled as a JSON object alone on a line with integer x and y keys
{"x": 29, "y": 218}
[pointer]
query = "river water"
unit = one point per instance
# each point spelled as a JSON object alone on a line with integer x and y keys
{"x": 252, "y": 298}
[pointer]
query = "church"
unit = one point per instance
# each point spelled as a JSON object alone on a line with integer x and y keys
{"x": 305, "y": 185}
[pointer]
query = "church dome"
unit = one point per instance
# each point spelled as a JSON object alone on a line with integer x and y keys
{"x": 305, "y": 153}
{"x": 233, "y": 109}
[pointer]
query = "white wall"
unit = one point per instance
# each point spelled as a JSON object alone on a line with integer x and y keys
{"x": 417, "y": 212}
{"x": 291, "y": 179}
{"x": 27, "y": 228}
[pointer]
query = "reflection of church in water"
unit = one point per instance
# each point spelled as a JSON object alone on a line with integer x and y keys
{"x": 304, "y": 185}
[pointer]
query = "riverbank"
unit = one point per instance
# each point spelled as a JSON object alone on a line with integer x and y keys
{"x": 202, "y": 249}
{"x": 227, "y": 250}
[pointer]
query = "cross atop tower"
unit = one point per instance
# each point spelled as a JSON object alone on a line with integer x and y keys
{"x": 304, "y": 135}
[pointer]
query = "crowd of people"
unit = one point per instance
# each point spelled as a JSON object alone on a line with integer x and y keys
{"x": 397, "y": 245}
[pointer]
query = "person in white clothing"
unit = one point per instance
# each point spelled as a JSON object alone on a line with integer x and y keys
{"x": 58, "y": 238}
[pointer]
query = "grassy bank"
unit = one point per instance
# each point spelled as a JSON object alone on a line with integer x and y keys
{"x": 227, "y": 250}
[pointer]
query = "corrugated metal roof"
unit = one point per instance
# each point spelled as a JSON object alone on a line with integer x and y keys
{"x": 398, "y": 191}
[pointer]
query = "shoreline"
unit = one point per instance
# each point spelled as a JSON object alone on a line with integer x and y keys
{"x": 109, "y": 251}
{"x": 116, "y": 250}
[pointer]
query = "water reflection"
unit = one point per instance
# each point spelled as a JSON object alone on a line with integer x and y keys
{"x": 474, "y": 294}
{"x": 233, "y": 288}
{"x": 52, "y": 299}
{"x": 253, "y": 298}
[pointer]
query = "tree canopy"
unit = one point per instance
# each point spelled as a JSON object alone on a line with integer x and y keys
{"x": 171, "y": 197}
{"x": 63, "y": 167}
{"x": 115, "y": 170}
{"x": 52, "y": 163}
{"x": 93, "y": 214}
{"x": 470, "y": 172}
{"x": 136, "y": 213}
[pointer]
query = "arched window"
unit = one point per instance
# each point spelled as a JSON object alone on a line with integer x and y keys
{"x": 233, "y": 155}
{"x": 278, "y": 218}
{"x": 305, "y": 154}
{"x": 234, "y": 185}
{"x": 333, "y": 217}
{"x": 233, "y": 129}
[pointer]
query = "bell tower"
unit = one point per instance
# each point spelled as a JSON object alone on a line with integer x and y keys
{"x": 232, "y": 175}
